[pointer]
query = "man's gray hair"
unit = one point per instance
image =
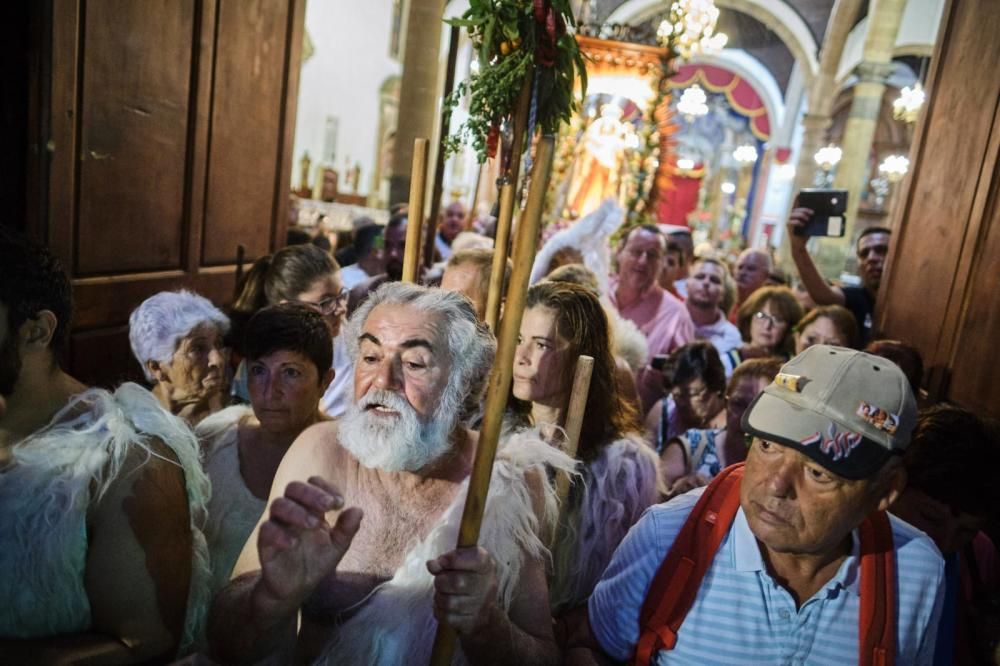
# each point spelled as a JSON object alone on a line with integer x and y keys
{"x": 471, "y": 346}
{"x": 163, "y": 319}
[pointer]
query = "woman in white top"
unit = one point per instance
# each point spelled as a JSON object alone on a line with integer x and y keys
{"x": 309, "y": 276}
{"x": 288, "y": 356}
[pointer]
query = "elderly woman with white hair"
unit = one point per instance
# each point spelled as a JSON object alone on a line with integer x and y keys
{"x": 177, "y": 337}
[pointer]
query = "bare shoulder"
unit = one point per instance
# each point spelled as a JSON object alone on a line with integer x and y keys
{"x": 316, "y": 451}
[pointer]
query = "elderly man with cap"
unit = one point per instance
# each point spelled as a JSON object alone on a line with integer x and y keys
{"x": 791, "y": 558}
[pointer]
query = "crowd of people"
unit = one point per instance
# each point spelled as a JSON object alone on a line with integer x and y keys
{"x": 758, "y": 476}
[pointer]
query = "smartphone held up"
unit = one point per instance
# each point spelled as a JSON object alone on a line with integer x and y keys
{"x": 829, "y": 208}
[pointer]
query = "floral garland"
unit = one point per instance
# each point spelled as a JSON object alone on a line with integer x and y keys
{"x": 649, "y": 160}
{"x": 509, "y": 37}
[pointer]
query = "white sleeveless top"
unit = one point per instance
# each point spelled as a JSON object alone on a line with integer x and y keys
{"x": 233, "y": 510}
{"x": 54, "y": 476}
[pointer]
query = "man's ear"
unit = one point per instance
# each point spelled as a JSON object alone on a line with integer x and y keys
{"x": 37, "y": 333}
{"x": 893, "y": 488}
{"x": 324, "y": 381}
{"x": 156, "y": 369}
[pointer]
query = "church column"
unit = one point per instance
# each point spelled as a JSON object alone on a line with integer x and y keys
{"x": 822, "y": 92}
{"x": 873, "y": 72}
{"x": 418, "y": 93}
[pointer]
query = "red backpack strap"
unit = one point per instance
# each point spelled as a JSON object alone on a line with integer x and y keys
{"x": 877, "y": 619}
{"x": 676, "y": 583}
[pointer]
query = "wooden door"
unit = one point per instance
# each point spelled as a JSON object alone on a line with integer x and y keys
{"x": 942, "y": 286}
{"x": 169, "y": 134}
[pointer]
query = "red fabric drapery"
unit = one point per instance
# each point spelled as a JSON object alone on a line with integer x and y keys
{"x": 739, "y": 93}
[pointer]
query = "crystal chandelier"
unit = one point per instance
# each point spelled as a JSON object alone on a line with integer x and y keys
{"x": 828, "y": 157}
{"x": 907, "y": 106}
{"x": 691, "y": 28}
{"x": 745, "y": 154}
{"x": 894, "y": 167}
{"x": 692, "y": 102}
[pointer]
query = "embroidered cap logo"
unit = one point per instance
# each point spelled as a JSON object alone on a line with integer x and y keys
{"x": 837, "y": 445}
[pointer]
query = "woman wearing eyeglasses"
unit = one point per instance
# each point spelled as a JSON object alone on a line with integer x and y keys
{"x": 766, "y": 321}
{"x": 305, "y": 275}
{"x": 696, "y": 383}
{"x": 695, "y": 458}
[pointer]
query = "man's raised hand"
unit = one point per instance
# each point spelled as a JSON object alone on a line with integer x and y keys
{"x": 798, "y": 219}
{"x": 298, "y": 548}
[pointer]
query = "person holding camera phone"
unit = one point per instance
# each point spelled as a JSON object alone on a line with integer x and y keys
{"x": 872, "y": 249}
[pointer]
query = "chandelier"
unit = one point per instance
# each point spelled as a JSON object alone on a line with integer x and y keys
{"x": 828, "y": 157}
{"x": 907, "y": 105}
{"x": 692, "y": 102}
{"x": 745, "y": 154}
{"x": 690, "y": 29}
{"x": 894, "y": 167}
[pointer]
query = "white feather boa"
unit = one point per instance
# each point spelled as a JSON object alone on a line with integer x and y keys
{"x": 396, "y": 624}
{"x": 617, "y": 486}
{"x": 55, "y": 476}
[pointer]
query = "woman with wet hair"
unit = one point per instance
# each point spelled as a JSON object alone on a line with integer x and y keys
{"x": 619, "y": 470}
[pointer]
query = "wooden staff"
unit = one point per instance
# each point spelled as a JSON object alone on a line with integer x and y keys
{"x": 574, "y": 416}
{"x": 499, "y": 266}
{"x": 437, "y": 185}
{"x": 415, "y": 221}
{"x": 506, "y": 213}
{"x": 503, "y": 368}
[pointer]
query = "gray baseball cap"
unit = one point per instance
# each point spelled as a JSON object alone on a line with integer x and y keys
{"x": 847, "y": 410}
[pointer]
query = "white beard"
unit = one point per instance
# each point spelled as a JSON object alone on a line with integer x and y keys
{"x": 402, "y": 443}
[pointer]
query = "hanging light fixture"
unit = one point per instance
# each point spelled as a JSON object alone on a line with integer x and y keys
{"x": 894, "y": 167}
{"x": 692, "y": 102}
{"x": 690, "y": 29}
{"x": 911, "y": 99}
{"x": 745, "y": 154}
{"x": 907, "y": 106}
{"x": 828, "y": 157}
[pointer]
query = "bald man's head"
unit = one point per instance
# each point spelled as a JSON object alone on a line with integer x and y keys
{"x": 752, "y": 270}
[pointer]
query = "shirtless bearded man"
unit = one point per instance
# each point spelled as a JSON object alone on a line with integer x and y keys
{"x": 401, "y": 456}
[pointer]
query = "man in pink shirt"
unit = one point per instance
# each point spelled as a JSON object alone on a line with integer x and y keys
{"x": 661, "y": 317}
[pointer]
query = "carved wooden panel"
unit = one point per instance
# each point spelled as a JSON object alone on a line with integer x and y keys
{"x": 135, "y": 62}
{"x": 941, "y": 287}
{"x": 244, "y": 159}
{"x": 169, "y": 143}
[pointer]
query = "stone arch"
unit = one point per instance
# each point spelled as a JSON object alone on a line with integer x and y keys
{"x": 784, "y": 21}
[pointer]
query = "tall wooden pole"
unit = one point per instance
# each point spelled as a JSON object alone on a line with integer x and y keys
{"x": 414, "y": 223}
{"x": 438, "y": 186}
{"x": 508, "y": 190}
{"x": 574, "y": 416}
{"x": 525, "y": 246}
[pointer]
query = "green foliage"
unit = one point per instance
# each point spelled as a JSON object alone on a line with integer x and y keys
{"x": 508, "y": 41}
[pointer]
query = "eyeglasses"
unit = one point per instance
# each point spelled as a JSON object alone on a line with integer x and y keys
{"x": 681, "y": 395}
{"x": 328, "y": 305}
{"x": 773, "y": 320}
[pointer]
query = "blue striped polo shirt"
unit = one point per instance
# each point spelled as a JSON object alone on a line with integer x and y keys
{"x": 742, "y": 616}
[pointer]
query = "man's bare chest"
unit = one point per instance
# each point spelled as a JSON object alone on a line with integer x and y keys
{"x": 395, "y": 520}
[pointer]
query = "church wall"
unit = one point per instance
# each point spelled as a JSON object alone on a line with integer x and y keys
{"x": 919, "y": 26}
{"x": 342, "y": 79}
